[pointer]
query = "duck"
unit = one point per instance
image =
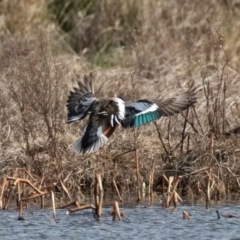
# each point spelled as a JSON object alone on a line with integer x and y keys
{"x": 106, "y": 114}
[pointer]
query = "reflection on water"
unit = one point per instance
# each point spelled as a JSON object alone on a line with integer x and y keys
{"x": 139, "y": 223}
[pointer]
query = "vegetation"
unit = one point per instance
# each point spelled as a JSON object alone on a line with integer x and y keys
{"x": 137, "y": 48}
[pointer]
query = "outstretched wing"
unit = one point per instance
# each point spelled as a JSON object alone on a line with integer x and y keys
{"x": 80, "y": 100}
{"x": 171, "y": 106}
{"x": 144, "y": 111}
{"x": 96, "y": 134}
{"x": 139, "y": 113}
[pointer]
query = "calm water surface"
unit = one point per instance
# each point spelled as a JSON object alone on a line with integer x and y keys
{"x": 139, "y": 223}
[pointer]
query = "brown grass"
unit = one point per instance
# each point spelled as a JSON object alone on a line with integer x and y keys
{"x": 148, "y": 50}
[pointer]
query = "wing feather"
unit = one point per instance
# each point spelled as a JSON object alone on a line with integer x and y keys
{"x": 80, "y": 100}
{"x": 144, "y": 111}
{"x": 171, "y": 106}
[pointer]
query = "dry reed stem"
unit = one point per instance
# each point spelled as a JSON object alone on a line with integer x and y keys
{"x": 174, "y": 195}
{"x": 24, "y": 171}
{"x": 81, "y": 207}
{"x": 66, "y": 190}
{"x": 150, "y": 190}
{"x": 177, "y": 179}
{"x": 16, "y": 180}
{"x": 165, "y": 178}
{"x": 195, "y": 172}
{"x": 175, "y": 199}
{"x": 42, "y": 202}
{"x": 183, "y": 132}
{"x": 4, "y": 184}
{"x": 161, "y": 140}
{"x": 116, "y": 212}
{"x": 236, "y": 177}
{"x": 138, "y": 176}
{"x": 114, "y": 182}
{"x": 199, "y": 189}
{"x": 211, "y": 143}
{"x": 169, "y": 195}
{"x": 208, "y": 188}
{"x": 117, "y": 191}
{"x": 98, "y": 192}
{"x": 37, "y": 195}
{"x": 19, "y": 202}
{"x": 186, "y": 215}
{"x": 53, "y": 204}
{"x": 8, "y": 198}
{"x": 72, "y": 203}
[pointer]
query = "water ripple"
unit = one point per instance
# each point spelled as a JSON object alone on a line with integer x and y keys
{"x": 139, "y": 223}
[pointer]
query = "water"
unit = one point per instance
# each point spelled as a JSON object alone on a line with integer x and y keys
{"x": 139, "y": 223}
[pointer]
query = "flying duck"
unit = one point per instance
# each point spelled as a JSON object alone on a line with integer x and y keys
{"x": 107, "y": 113}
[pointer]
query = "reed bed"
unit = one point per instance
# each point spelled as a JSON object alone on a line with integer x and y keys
{"x": 149, "y": 50}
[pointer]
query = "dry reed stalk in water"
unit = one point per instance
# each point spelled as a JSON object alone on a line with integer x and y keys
{"x": 16, "y": 180}
{"x": 116, "y": 212}
{"x": 150, "y": 190}
{"x": 53, "y": 204}
{"x": 186, "y": 215}
{"x": 19, "y": 202}
{"x": 175, "y": 199}
{"x": 98, "y": 192}
{"x": 72, "y": 203}
{"x": 208, "y": 188}
{"x": 179, "y": 198}
{"x": 9, "y": 197}
{"x": 42, "y": 202}
{"x": 34, "y": 196}
{"x": 4, "y": 184}
{"x": 114, "y": 182}
{"x": 116, "y": 188}
{"x": 168, "y": 198}
{"x": 138, "y": 176}
{"x": 174, "y": 194}
{"x": 82, "y": 207}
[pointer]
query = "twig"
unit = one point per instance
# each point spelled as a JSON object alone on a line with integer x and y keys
{"x": 160, "y": 138}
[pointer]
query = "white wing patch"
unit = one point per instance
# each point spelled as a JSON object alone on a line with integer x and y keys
{"x": 112, "y": 116}
{"x": 153, "y": 108}
{"x": 121, "y": 108}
